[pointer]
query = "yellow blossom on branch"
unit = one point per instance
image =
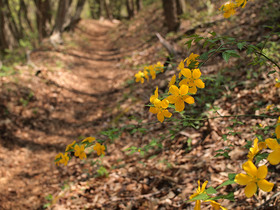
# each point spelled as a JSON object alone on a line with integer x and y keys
{"x": 179, "y": 97}
{"x": 269, "y": 106}
{"x": 273, "y": 157}
{"x": 80, "y": 151}
{"x": 160, "y": 108}
{"x": 99, "y": 148}
{"x": 241, "y": 2}
{"x": 159, "y": 67}
{"x": 254, "y": 178}
{"x": 70, "y": 146}
{"x": 192, "y": 80}
{"x": 192, "y": 61}
{"x": 155, "y": 96}
{"x": 199, "y": 191}
{"x": 172, "y": 81}
{"x": 216, "y": 206}
{"x": 228, "y": 9}
{"x": 63, "y": 159}
{"x": 88, "y": 139}
{"x": 255, "y": 149}
{"x": 139, "y": 77}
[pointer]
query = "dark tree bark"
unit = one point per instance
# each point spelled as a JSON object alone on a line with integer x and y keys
{"x": 139, "y": 5}
{"x": 23, "y": 8}
{"x": 130, "y": 8}
{"x": 63, "y": 6}
{"x": 179, "y": 9}
{"x": 107, "y": 9}
{"x": 3, "y": 41}
{"x": 77, "y": 15}
{"x": 43, "y": 14}
{"x": 11, "y": 22}
{"x": 170, "y": 14}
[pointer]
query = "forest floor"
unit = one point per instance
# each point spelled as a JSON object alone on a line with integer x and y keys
{"x": 85, "y": 88}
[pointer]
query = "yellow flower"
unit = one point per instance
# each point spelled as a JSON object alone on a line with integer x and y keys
{"x": 277, "y": 129}
{"x": 241, "y": 2}
{"x": 228, "y": 9}
{"x": 179, "y": 97}
{"x": 152, "y": 71}
{"x": 273, "y": 157}
{"x": 216, "y": 206}
{"x": 153, "y": 97}
{"x": 254, "y": 178}
{"x": 269, "y": 106}
{"x": 173, "y": 80}
{"x": 80, "y": 151}
{"x": 192, "y": 80}
{"x": 63, "y": 159}
{"x": 160, "y": 109}
{"x": 159, "y": 67}
{"x": 277, "y": 83}
{"x": 139, "y": 77}
{"x": 180, "y": 67}
{"x": 254, "y": 150}
{"x": 88, "y": 139}
{"x": 70, "y": 146}
{"x": 192, "y": 59}
{"x": 199, "y": 191}
{"x": 99, "y": 148}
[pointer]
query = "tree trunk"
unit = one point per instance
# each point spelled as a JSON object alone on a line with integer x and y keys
{"x": 77, "y": 15}
{"x": 43, "y": 14}
{"x": 23, "y": 8}
{"x": 170, "y": 14}
{"x": 179, "y": 9}
{"x": 130, "y": 8}
{"x": 3, "y": 41}
{"x": 139, "y": 5}
{"x": 108, "y": 9}
{"x": 56, "y": 37}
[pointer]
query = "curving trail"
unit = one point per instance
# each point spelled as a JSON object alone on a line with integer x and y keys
{"x": 73, "y": 92}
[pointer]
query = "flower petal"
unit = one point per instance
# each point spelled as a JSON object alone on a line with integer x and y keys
{"x": 166, "y": 113}
{"x": 193, "y": 90}
{"x": 203, "y": 186}
{"x": 250, "y": 189}
{"x": 274, "y": 157}
{"x": 189, "y": 99}
{"x": 184, "y": 89}
{"x": 160, "y": 117}
{"x": 196, "y": 73}
{"x": 197, "y": 205}
{"x": 153, "y": 110}
{"x": 187, "y": 73}
{"x": 199, "y": 83}
{"x": 272, "y": 143}
{"x": 262, "y": 172}
{"x": 172, "y": 99}
{"x": 242, "y": 179}
{"x": 264, "y": 185}
{"x": 184, "y": 82}
{"x": 250, "y": 168}
{"x": 174, "y": 90}
{"x": 179, "y": 105}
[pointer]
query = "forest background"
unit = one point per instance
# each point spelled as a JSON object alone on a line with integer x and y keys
{"x": 67, "y": 71}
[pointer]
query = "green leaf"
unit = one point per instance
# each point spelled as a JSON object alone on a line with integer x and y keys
{"x": 260, "y": 157}
{"x": 231, "y": 176}
{"x": 240, "y": 45}
{"x": 202, "y": 196}
{"x": 211, "y": 190}
{"x": 228, "y": 182}
{"x": 204, "y": 56}
{"x": 226, "y": 56}
{"x": 271, "y": 72}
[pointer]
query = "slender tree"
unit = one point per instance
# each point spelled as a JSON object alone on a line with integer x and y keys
{"x": 171, "y": 14}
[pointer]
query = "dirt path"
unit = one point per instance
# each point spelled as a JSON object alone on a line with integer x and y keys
{"x": 73, "y": 90}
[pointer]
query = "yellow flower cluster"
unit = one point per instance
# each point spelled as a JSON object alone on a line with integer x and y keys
{"x": 255, "y": 177}
{"x": 179, "y": 95}
{"x": 201, "y": 190}
{"x": 229, "y": 7}
{"x": 148, "y": 70}
{"x": 79, "y": 150}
